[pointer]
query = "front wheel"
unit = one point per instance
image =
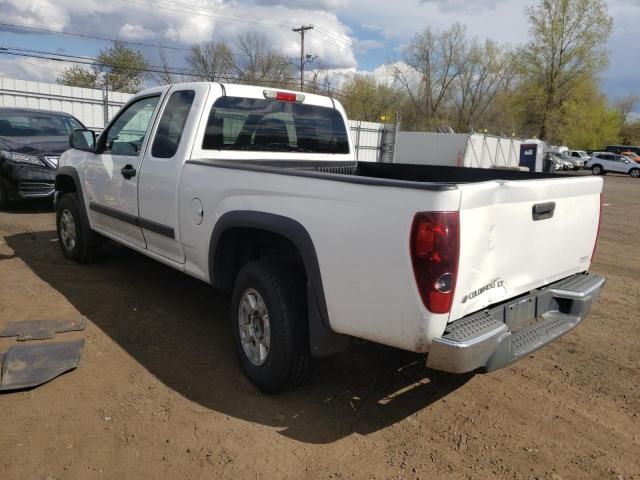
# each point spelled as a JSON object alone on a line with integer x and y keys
{"x": 77, "y": 241}
{"x": 635, "y": 173}
{"x": 270, "y": 326}
{"x": 596, "y": 170}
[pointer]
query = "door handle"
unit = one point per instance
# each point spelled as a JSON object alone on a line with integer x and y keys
{"x": 543, "y": 211}
{"x": 128, "y": 172}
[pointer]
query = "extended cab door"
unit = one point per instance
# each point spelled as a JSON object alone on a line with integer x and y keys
{"x": 171, "y": 143}
{"x": 111, "y": 174}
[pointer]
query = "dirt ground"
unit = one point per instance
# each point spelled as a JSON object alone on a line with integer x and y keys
{"x": 159, "y": 394}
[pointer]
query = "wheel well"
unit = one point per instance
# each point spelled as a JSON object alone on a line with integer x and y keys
{"x": 64, "y": 183}
{"x": 239, "y": 245}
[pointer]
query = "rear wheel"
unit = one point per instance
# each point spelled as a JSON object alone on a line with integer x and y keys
{"x": 596, "y": 170}
{"x": 77, "y": 241}
{"x": 635, "y": 172}
{"x": 270, "y": 326}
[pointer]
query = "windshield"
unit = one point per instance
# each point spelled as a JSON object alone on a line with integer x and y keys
{"x": 37, "y": 125}
{"x": 270, "y": 125}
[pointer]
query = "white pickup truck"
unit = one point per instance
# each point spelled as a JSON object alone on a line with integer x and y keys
{"x": 257, "y": 191}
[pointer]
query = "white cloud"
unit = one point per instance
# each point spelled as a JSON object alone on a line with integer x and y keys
{"x": 472, "y": 6}
{"x": 134, "y": 32}
{"x": 38, "y": 70}
{"x": 381, "y": 26}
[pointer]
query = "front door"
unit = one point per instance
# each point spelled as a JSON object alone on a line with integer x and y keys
{"x": 111, "y": 175}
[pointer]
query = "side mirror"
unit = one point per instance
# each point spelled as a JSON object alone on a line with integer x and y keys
{"x": 82, "y": 139}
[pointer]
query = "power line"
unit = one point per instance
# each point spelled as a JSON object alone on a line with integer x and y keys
{"x": 92, "y": 37}
{"x": 269, "y": 80}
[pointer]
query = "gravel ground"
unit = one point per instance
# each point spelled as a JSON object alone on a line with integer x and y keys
{"x": 159, "y": 393}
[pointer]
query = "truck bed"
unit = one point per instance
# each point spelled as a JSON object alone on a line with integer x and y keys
{"x": 384, "y": 174}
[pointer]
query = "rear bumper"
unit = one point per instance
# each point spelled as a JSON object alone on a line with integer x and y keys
{"x": 23, "y": 182}
{"x": 498, "y": 337}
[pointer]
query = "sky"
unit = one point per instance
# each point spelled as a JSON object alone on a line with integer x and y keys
{"x": 352, "y": 35}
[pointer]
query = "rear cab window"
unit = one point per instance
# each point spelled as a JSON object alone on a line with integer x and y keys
{"x": 172, "y": 122}
{"x": 265, "y": 125}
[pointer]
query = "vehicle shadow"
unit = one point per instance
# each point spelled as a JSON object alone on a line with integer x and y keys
{"x": 178, "y": 329}
{"x": 29, "y": 207}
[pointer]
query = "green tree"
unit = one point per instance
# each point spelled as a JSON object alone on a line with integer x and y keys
{"x": 586, "y": 120}
{"x": 364, "y": 98}
{"x": 568, "y": 43}
{"x": 76, "y": 76}
{"x": 117, "y": 68}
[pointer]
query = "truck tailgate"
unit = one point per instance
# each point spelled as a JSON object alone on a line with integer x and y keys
{"x": 516, "y": 236}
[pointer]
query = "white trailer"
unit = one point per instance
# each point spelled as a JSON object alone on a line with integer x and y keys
{"x": 458, "y": 150}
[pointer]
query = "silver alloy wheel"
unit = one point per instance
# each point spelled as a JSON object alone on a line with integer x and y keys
{"x": 635, "y": 173}
{"x": 255, "y": 327}
{"x": 68, "y": 232}
{"x": 596, "y": 170}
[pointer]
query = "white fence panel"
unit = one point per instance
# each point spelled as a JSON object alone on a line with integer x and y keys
{"x": 86, "y": 104}
{"x": 374, "y": 142}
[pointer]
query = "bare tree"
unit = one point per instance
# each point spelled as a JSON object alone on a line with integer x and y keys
{"x": 212, "y": 61}
{"x": 257, "y": 61}
{"x": 434, "y": 60}
{"x": 625, "y": 105}
{"x": 167, "y": 74}
{"x": 485, "y": 71}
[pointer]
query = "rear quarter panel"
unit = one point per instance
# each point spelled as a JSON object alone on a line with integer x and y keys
{"x": 360, "y": 233}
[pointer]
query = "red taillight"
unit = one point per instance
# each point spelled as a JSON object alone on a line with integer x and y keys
{"x": 286, "y": 97}
{"x": 595, "y": 245}
{"x": 435, "y": 247}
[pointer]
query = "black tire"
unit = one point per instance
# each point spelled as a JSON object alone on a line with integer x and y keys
{"x": 281, "y": 288}
{"x": 87, "y": 244}
{"x": 597, "y": 170}
{"x": 634, "y": 172}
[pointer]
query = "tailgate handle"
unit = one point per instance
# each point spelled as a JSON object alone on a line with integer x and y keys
{"x": 543, "y": 211}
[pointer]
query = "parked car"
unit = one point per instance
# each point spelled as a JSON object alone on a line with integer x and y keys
{"x": 633, "y": 156}
{"x": 603, "y": 162}
{"x": 618, "y": 149}
{"x": 258, "y": 191}
{"x": 31, "y": 142}
{"x": 579, "y": 158}
{"x": 560, "y": 161}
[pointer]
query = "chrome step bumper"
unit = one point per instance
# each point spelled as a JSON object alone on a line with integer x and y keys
{"x": 497, "y": 337}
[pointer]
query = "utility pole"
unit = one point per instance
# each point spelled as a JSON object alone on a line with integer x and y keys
{"x": 301, "y": 30}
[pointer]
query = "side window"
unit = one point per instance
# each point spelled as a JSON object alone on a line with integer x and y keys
{"x": 171, "y": 126}
{"x": 126, "y": 135}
